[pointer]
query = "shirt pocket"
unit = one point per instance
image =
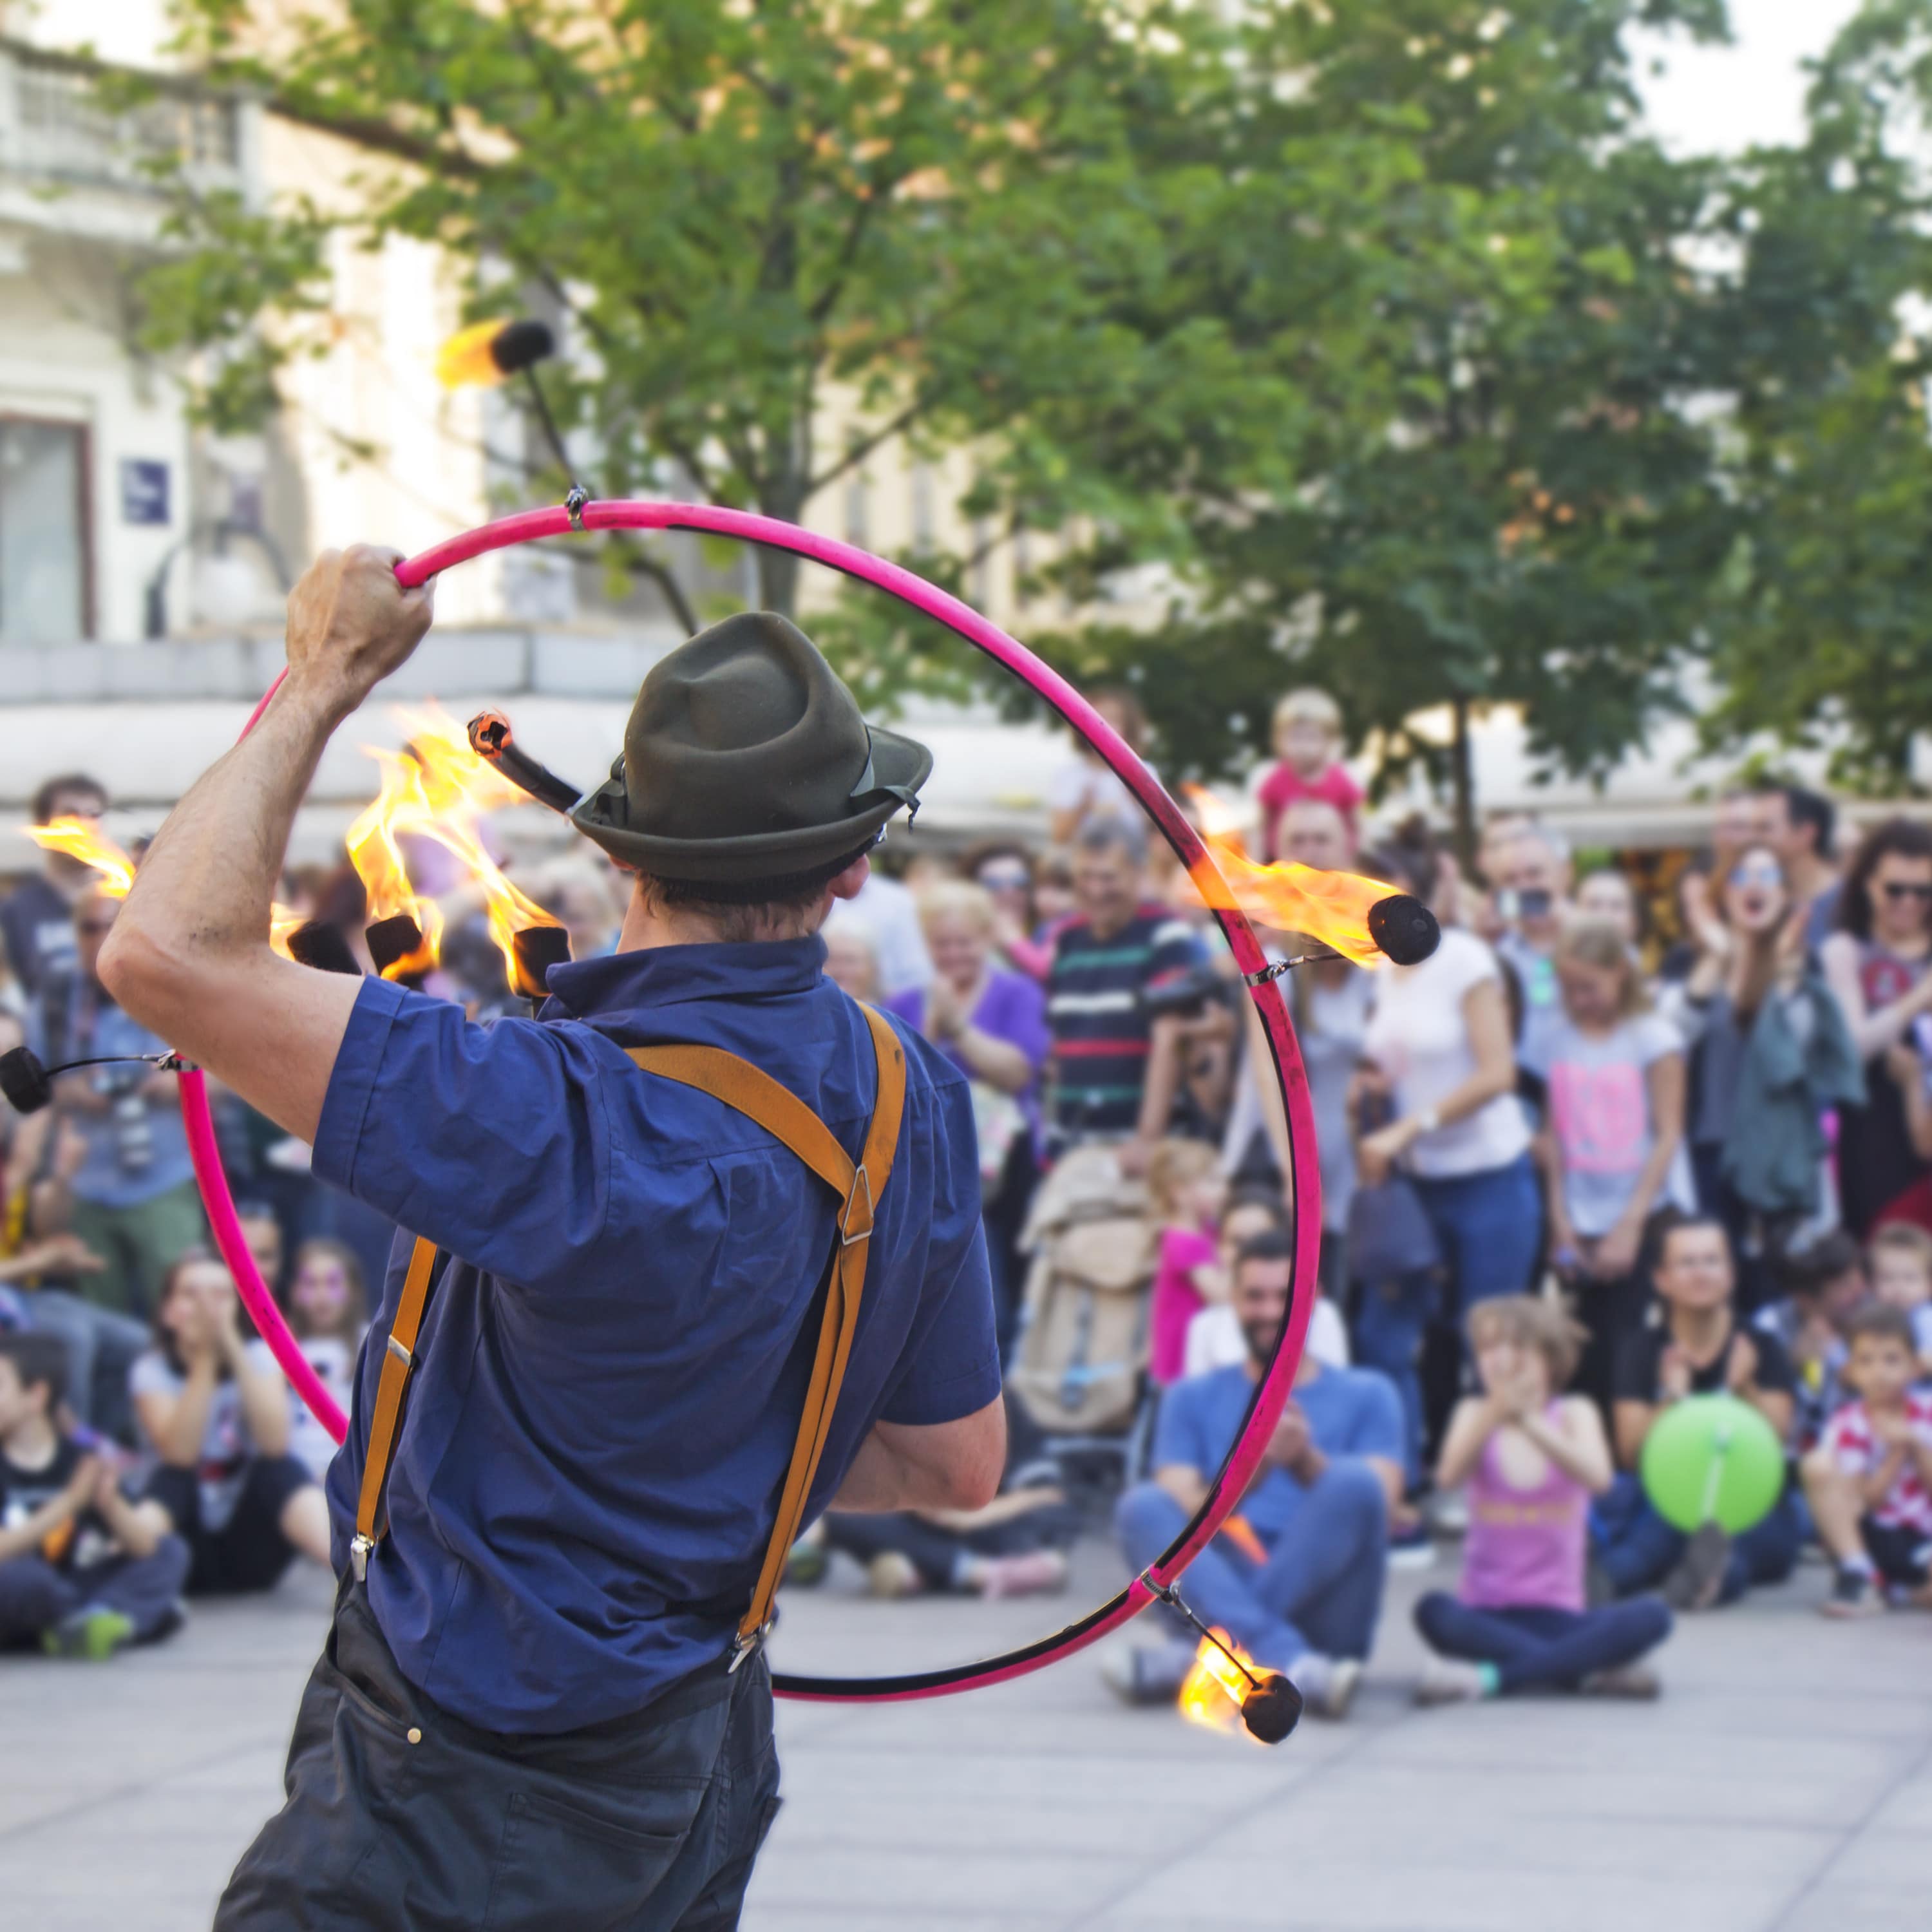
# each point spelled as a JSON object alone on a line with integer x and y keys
{"x": 563, "y": 1863}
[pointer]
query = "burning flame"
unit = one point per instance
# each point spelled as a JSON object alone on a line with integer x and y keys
{"x": 80, "y": 840}
{"x": 438, "y": 787}
{"x": 1212, "y": 1695}
{"x": 1331, "y": 906}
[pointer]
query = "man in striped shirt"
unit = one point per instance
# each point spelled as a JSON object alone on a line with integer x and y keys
{"x": 1115, "y": 1067}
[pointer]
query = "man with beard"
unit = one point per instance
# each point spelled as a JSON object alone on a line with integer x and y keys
{"x": 1296, "y": 1577}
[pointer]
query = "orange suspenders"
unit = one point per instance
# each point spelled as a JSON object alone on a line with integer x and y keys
{"x": 787, "y": 1119}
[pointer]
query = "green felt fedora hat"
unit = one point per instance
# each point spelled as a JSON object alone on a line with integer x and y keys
{"x": 746, "y": 759}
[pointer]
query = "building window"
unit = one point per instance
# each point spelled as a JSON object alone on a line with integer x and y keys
{"x": 44, "y": 591}
{"x": 858, "y": 510}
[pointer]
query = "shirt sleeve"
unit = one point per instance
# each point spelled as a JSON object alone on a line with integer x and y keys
{"x": 1775, "y": 1375}
{"x": 1844, "y": 1442}
{"x": 1634, "y": 1376}
{"x": 952, "y": 1354}
{"x": 1177, "y": 949}
{"x": 1025, "y": 1018}
{"x": 1377, "y": 1428}
{"x": 428, "y": 1116}
{"x": 1177, "y": 1435}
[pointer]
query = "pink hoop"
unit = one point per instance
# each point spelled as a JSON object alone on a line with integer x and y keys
{"x": 1271, "y": 1395}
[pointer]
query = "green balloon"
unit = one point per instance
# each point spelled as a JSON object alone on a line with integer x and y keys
{"x": 1712, "y": 1459}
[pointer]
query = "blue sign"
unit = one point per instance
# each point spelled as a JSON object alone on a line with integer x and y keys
{"x": 144, "y": 491}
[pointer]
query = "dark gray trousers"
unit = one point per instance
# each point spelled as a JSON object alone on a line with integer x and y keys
{"x": 399, "y": 1817}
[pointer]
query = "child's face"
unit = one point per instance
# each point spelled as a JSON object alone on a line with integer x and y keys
{"x": 321, "y": 1293}
{"x": 1503, "y": 1363}
{"x": 1899, "y": 1278}
{"x": 1307, "y": 744}
{"x": 1202, "y": 1199}
{"x": 1053, "y": 897}
{"x": 1591, "y": 994}
{"x": 1881, "y": 1369}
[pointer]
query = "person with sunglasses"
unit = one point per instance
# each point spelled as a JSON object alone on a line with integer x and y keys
{"x": 1770, "y": 1052}
{"x": 1877, "y": 964}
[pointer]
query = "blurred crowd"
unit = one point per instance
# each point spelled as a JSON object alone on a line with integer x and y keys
{"x": 1603, "y": 1151}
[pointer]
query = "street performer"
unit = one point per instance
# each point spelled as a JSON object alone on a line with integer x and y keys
{"x": 696, "y": 1252}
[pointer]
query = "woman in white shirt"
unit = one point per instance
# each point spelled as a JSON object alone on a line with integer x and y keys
{"x": 1439, "y": 1049}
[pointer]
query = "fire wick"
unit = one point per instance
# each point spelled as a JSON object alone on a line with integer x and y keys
{"x": 1167, "y": 1593}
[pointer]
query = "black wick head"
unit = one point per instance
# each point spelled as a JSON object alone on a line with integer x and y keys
{"x": 27, "y": 1085}
{"x": 1405, "y": 928}
{"x": 1272, "y": 1708}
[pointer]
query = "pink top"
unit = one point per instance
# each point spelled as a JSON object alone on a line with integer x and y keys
{"x": 1285, "y": 784}
{"x": 1525, "y": 1546}
{"x": 1176, "y": 1301}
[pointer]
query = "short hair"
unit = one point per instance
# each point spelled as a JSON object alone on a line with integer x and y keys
{"x": 1251, "y": 1196}
{"x": 1308, "y": 705}
{"x": 1530, "y": 1322}
{"x": 1111, "y": 833}
{"x": 1552, "y": 841}
{"x": 957, "y": 899}
{"x": 1271, "y": 1244}
{"x": 1902, "y": 1238}
{"x": 1804, "y": 806}
{"x": 740, "y": 908}
{"x": 1596, "y": 943}
{"x": 1676, "y": 1221}
{"x": 351, "y": 1263}
{"x": 38, "y": 1358}
{"x": 44, "y": 797}
{"x": 1885, "y": 1321}
{"x": 255, "y": 1211}
{"x": 1806, "y": 1270}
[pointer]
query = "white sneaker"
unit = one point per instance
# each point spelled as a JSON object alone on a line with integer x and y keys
{"x": 1448, "y": 1680}
{"x": 1327, "y": 1684}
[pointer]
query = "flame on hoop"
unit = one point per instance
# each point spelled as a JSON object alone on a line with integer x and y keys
{"x": 1212, "y": 1694}
{"x": 1331, "y": 906}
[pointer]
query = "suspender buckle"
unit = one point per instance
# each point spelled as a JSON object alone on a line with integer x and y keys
{"x": 359, "y": 1548}
{"x": 847, "y": 1232}
{"x": 743, "y": 1646}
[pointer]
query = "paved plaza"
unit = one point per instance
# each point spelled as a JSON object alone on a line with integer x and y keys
{"x": 1784, "y": 1784}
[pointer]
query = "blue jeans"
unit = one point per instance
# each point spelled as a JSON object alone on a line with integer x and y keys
{"x": 1320, "y": 1588}
{"x": 1490, "y": 1226}
{"x": 1638, "y": 1549}
{"x": 1538, "y": 1645}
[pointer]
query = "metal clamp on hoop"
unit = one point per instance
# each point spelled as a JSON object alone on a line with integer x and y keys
{"x": 574, "y": 498}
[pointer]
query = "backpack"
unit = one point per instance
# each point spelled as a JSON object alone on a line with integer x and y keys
{"x": 1083, "y": 1348}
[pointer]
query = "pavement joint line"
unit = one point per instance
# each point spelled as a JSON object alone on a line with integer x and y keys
{"x": 1851, "y": 1835}
{"x": 132, "y": 1788}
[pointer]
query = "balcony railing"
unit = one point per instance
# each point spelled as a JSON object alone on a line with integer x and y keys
{"x": 54, "y": 130}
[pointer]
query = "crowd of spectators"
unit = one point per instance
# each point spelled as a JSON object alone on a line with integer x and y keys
{"x": 1596, "y": 1154}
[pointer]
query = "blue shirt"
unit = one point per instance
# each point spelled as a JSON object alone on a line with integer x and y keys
{"x": 1350, "y": 1411}
{"x": 610, "y": 1377}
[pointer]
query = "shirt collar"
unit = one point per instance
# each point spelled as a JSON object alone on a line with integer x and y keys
{"x": 659, "y": 975}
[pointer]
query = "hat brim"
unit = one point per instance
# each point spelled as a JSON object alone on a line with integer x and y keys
{"x": 601, "y": 816}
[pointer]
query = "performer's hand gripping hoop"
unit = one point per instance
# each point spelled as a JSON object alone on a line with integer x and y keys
{"x": 1271, "y": 1392}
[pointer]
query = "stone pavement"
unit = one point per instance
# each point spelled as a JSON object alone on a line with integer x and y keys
{"x": 1784, "y": 1784}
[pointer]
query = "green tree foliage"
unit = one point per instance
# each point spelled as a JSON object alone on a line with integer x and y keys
{"x": 1823, "y": 622}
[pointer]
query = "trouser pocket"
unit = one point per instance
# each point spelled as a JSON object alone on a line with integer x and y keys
{"x": 591, "y": 1864}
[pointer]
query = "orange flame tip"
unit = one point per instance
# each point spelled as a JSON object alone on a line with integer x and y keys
{"x": 465, "y": 362}
{"x": 79, "y": 840}
{"x": 1331, "y": 906}
{"x": 1211, "y": 1695}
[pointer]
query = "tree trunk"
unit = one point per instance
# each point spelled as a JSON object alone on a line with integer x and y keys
{"x": 1462, "y": 777}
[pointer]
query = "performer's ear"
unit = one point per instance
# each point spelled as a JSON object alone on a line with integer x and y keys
{"x": 847, "y": 884}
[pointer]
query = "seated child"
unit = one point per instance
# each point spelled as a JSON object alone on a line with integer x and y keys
{"x": 1532, "y": 1460}
{"x": 328, "y": 1312}
{"x": 1824, "y": 1286}
{"x": 1899, "y": 1257}
{"x": 1869, "y": 1481}
{"x": 82, "y": 1570}
{"x": 1307, "y": 737}
{"x": 1188, "y": 1191}
{"x": 214, "y": 1408}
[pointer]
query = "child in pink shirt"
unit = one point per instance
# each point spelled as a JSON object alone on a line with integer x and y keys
{"x": 1188, "y": 1188}
{"x": 1307, "y": 736}
{"x": 1532, "y": 1458}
